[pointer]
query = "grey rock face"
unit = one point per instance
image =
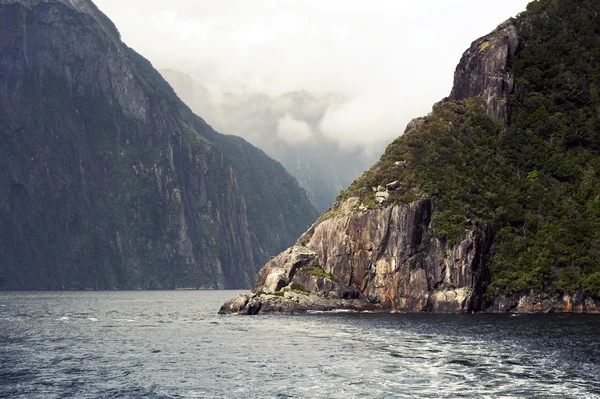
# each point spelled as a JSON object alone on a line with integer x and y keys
{"x": 107, "y": 180}
{"x": 382, "y": 259}
{"x": 533, "y": 303}
{"x": 485, "y": 70}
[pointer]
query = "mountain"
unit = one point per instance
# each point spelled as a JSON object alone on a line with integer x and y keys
{"x": 490, "y": 203}
{"x": 108, "y": 181}
{"x": 286, "y": 127}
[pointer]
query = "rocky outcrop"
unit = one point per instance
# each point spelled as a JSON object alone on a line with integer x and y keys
{"x": 384, "y": 260}
{"x": 485, "y": 70}
{"x": 108, "y": 181}
{"x": 533, "y": 303}
{"x": 379, "y": 259}
{"x": 292, "y": 302}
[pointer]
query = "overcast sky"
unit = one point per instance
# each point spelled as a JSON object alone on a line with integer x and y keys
{"x": 392, "y": 58}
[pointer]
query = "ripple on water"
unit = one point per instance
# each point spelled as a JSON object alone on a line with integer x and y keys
{"x": 168, "y": 345}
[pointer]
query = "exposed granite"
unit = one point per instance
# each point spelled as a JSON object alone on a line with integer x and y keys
{"x": 485, "y": 70}
{"x": 532, "y": 303}
{"x": 382, "y": 257}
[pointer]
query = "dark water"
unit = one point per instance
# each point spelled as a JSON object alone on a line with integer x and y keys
{"x": 173, "y": 345}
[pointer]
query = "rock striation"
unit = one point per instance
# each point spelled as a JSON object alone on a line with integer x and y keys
{"x": 376, "y": 260}
{"x": 108, "y": 181}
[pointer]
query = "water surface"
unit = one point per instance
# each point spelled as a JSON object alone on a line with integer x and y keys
{"x": 174, "y": 345}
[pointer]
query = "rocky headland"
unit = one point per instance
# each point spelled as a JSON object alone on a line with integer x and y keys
{"x": 459, "y": 215}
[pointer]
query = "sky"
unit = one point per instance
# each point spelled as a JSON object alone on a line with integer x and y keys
{"x": 391, "y": 60}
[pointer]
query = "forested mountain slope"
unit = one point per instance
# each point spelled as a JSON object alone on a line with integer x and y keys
{"x": 107, "y": 180}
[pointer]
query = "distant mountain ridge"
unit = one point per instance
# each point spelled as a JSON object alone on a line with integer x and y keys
{"x": 108, "y": 181}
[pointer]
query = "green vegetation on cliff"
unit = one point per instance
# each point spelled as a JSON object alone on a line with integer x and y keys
{"x": 554, "y": 137}
{"x": 535, "y": 179}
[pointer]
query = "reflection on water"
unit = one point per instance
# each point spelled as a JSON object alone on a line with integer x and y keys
{"x": 173, "y": 345}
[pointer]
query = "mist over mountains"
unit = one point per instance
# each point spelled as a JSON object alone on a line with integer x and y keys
{"x": 313, "y": 84}
{"x": 289, "y": 128}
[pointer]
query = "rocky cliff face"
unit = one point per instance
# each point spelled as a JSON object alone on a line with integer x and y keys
{"x": 385, "y": 258}
{"x": 379, "y": 259}
{"x": 485, "y": 70}
{"x": 107, "y": 180}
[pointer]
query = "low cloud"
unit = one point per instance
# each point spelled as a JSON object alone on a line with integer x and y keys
{"x": 293, "y": 131}
{"x": 367, "y": 121}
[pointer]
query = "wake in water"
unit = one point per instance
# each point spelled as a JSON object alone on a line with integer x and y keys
{"x": 173, "y": 345}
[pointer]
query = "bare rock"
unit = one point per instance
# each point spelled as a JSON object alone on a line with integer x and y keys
{"x": 279, "y": 272}
{"x": 382, "y": 196}
{"x": 295, "y": 303}
{"x": 393, "y": 186}
{"x": 378, "y": 260}
{"x": 485, "y": 70}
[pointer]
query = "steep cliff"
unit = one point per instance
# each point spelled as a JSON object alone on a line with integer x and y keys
{"x": 381, "y": 259}
{"x": 107, "y": 180}
{"x": 490, "y": 203}
{"x": 485, "y": 70}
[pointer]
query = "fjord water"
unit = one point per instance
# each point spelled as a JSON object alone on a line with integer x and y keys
{"x": 174, "y": 345}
